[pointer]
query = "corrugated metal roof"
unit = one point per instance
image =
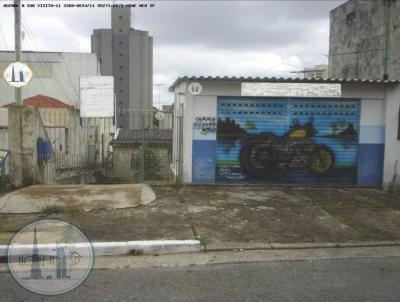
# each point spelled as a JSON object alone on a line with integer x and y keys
{"x": 276, "y": 80}
{"x": 42, "y": 101}
{"x": 135, "y": 136}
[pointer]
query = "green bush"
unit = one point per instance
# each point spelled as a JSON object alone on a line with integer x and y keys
{"x": 153, "y": 165}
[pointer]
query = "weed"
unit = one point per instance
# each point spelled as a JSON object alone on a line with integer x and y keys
{"x": 182, "y": 199}
{"x": 203, "y": 241}
{"x": 50, "y": 209}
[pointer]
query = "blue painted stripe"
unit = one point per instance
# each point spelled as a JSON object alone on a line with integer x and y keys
{"x": 203, "y": 161}
{"x": 370, "y": 164}
{"x": 372, "y": 134}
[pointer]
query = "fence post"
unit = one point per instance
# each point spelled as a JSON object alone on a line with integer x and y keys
{"x": 142, "y": 148}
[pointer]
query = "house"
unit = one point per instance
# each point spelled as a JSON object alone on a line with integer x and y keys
{"x": 61, "y": 121}
{"x": 345, "y": 136}
{"x": 127, "y": 157}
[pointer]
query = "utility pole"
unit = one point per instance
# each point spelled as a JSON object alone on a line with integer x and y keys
{"x": 17, "y": 29}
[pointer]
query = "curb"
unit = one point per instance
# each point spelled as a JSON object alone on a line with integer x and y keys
{"x": 304, "y": 246}
{"x": 162, "y": 247}
{"x": 148, "y": 247}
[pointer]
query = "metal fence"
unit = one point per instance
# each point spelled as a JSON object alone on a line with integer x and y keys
{"x": 134, "y": 147}
{"x": 4, "y": 170}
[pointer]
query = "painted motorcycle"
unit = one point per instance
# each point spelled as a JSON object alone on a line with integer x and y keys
{"x": 261, "y": 154}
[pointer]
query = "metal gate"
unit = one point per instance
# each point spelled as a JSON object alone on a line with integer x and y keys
{"x": 287, "y": 140}
{"x": 95, "y": 151}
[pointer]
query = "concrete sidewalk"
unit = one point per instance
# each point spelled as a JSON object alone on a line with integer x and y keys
{"x": 33, "y": 199}
{"x": 232, "y": 217}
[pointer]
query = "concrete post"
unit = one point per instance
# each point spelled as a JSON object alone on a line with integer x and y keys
{"x": 22, "y": 139}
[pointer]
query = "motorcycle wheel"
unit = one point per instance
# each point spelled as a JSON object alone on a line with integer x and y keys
{"x": 257, "y": 160}
{"x": 321, "y": 160}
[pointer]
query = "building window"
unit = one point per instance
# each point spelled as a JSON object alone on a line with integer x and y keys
{"x": 120, "y": 54}
{"x": 121, "y": 91}
{"x": 350, "y": 18}
{"x": 120, "y": 17}
{"x": 120, "y": 42}
{"x": 120, "y": 66}
{"x": 120, "y": 79}
{"x": 120, "y": 30}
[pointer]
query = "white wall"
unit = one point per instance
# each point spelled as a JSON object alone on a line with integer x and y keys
{"x": 392, "y": 147}
{"x": 208, "y": 96}
{"x": 179, "y": 101}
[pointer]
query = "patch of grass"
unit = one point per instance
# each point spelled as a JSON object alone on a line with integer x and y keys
{"x": 50, "y": 209}
{"x": 203, "y": 241}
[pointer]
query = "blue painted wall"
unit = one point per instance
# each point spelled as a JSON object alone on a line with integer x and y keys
{"x": 371, "y": 152}
{"x": 370, "y": 164}
{"x": 203, "y": 161}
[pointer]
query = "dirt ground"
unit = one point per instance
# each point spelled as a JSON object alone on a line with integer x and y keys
{"x": 229, "y": 216}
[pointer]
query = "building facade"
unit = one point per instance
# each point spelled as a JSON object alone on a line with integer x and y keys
{"x": 157, "y": 155}
{"x": 318, "y": 72}
{"x": 127, "y": 54}
{"x": 228, "y": 137}
{"x": 364, "y": 40}
{"x": 55, "y": 74}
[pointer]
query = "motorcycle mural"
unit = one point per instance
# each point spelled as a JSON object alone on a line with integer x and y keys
{"x": 261, "y": 154}
{"x": 319, "y": 145}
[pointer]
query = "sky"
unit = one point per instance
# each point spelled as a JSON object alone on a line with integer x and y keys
{"x": 209, "y": 38}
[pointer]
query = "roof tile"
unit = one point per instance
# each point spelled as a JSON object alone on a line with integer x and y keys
{"x": 42, "y": 101}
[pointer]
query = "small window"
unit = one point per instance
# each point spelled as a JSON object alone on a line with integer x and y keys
{"x": 350, "y": 19}
{"x": 120, "y": 17}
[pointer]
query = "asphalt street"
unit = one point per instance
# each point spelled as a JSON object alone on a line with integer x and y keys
{"x": 348, "y": 279}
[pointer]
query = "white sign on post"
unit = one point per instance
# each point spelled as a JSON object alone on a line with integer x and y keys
{"x": 96, "y": 96}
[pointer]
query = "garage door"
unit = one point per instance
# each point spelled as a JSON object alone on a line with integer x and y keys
{"x": 287, "y": 140}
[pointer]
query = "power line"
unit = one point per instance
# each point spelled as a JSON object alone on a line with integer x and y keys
{"x": 53, "y": 77}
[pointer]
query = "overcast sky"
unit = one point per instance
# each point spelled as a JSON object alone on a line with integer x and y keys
{"x": 217, "y": 38}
